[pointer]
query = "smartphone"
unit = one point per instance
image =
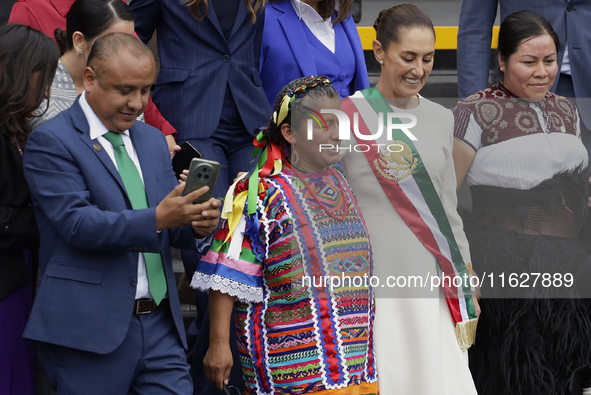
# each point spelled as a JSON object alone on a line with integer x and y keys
{"x": 202, "y": 172}
{"x": 182, "y": 159}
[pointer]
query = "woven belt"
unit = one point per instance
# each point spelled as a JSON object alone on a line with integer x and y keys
{"x": 146, "y": 306}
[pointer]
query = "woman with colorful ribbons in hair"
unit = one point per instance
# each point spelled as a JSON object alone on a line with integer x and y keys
{"x": 292, "y": 254}
{"x": 425, "y": 314}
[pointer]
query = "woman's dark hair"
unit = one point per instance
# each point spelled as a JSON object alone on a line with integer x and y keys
{"x": 327, "y": 7}
{"x": 315, "y": 89}
{"x": 91, "y": 18}
{"x": 200, "y": 8}
{"x": 521, "y": 26}
{"x": 403, "y": 16}
{"x": 24, "y": 51}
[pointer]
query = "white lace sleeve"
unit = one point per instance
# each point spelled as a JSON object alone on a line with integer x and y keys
{"x": 242, "y": 292}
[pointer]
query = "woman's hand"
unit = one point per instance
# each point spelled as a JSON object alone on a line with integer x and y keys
{"x": 183, "y": 176}
{"x": 239, "y": 175}
{"x": 475, "y": 299}
{"x": 218, "y": 360}
{"x": 218, "y": 363}
{"x": 173, "y": 148}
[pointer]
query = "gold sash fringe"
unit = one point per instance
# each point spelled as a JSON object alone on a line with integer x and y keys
{"x": 466, "y": 333}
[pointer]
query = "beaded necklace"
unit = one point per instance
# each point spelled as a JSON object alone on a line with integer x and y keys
{"x": 327, "y": 210}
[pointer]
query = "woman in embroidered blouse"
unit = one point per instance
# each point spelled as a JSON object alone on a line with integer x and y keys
{"x": 421, "y": 334}
{"x": 518, "y": 147}
{"x": 285, "y": 233}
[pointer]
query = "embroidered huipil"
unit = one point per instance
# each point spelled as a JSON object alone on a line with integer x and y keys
{"x": 297, "y": 333}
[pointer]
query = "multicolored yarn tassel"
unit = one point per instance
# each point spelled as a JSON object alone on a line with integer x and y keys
{"x": 241, "y": 198}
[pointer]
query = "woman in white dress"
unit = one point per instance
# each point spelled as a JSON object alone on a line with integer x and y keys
{"x": 406, "y": 193}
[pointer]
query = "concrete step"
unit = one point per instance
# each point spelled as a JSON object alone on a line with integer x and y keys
{"x": 188, "y": 309}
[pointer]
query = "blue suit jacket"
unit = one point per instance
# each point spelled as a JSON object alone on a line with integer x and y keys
{"x": 570, "y": 19}
{"x": 287, "y": 56}
{"x": 197, "y": 63}
{"x": 90, "y": 236}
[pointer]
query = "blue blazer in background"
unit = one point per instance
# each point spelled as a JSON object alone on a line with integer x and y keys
{"x": 197, "y": 63}
{"x": 286, "y": 54}
{"x": 569, "y": 18}
{"x": 91, "y": 236}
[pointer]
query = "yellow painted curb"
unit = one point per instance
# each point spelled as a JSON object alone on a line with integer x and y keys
{"x": 447, "y": 37}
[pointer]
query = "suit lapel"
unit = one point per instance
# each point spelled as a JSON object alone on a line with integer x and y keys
{"x": 296, "y": 37}
{"x": 240, "y": 15}
{"x": 213, "y": 19}
{"x": 81, "y": 124}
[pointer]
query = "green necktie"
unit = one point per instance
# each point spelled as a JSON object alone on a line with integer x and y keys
{"x": 137, "y": 195}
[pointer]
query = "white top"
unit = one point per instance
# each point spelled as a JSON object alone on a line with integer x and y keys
{"x": 565, "y": 67}
{"x": 97, "y": 131}
{"x": 322, "y": 29}
{"x": 526, "y": 161}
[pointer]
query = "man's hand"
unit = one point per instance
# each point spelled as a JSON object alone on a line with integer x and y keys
{"x": 176, "y": 210}
{"x": 211, "y": 217}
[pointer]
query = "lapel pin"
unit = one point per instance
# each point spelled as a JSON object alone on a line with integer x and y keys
{"x": 97, "y": 147}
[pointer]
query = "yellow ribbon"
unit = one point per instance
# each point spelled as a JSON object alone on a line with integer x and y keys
{"x": 236, "y": 213}
{"x": 283, "y": 110}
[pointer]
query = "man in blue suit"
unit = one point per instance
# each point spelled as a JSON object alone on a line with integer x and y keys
{"x": 107, "y": 312}
{"x": 569, "y": 18}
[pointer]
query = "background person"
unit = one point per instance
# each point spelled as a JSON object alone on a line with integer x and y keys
{"x": 87, "y": 20}
{"x": 311, "y": 37}
{"x": 421, "y": 338}
{"x": 209, "y": 88}
{"x": 569, "y": 18}
{"x": 518, "y": 147}
{"x": 107, "y": 312}
{"x": 49, "y": 15}
{"x": 293, "y": 338}
{"x": 27, "y": 65}
{"x": 209, "y": 57}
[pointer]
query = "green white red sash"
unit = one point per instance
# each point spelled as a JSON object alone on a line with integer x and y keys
{"x": 406, "y": 182}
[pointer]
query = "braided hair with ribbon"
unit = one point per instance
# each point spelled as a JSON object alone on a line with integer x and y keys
{"x": 270, "y": 151}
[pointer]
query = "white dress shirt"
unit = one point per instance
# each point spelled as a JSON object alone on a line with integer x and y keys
{"x": 97, "y": 131}
{"x": 322, "y": 29}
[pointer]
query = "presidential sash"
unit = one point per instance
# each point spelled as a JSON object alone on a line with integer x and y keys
{"x": 405, "y": 180}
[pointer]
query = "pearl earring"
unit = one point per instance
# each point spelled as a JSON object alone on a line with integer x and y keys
{"x": 79, "y": 53}
{"x": 381, "y": 62}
